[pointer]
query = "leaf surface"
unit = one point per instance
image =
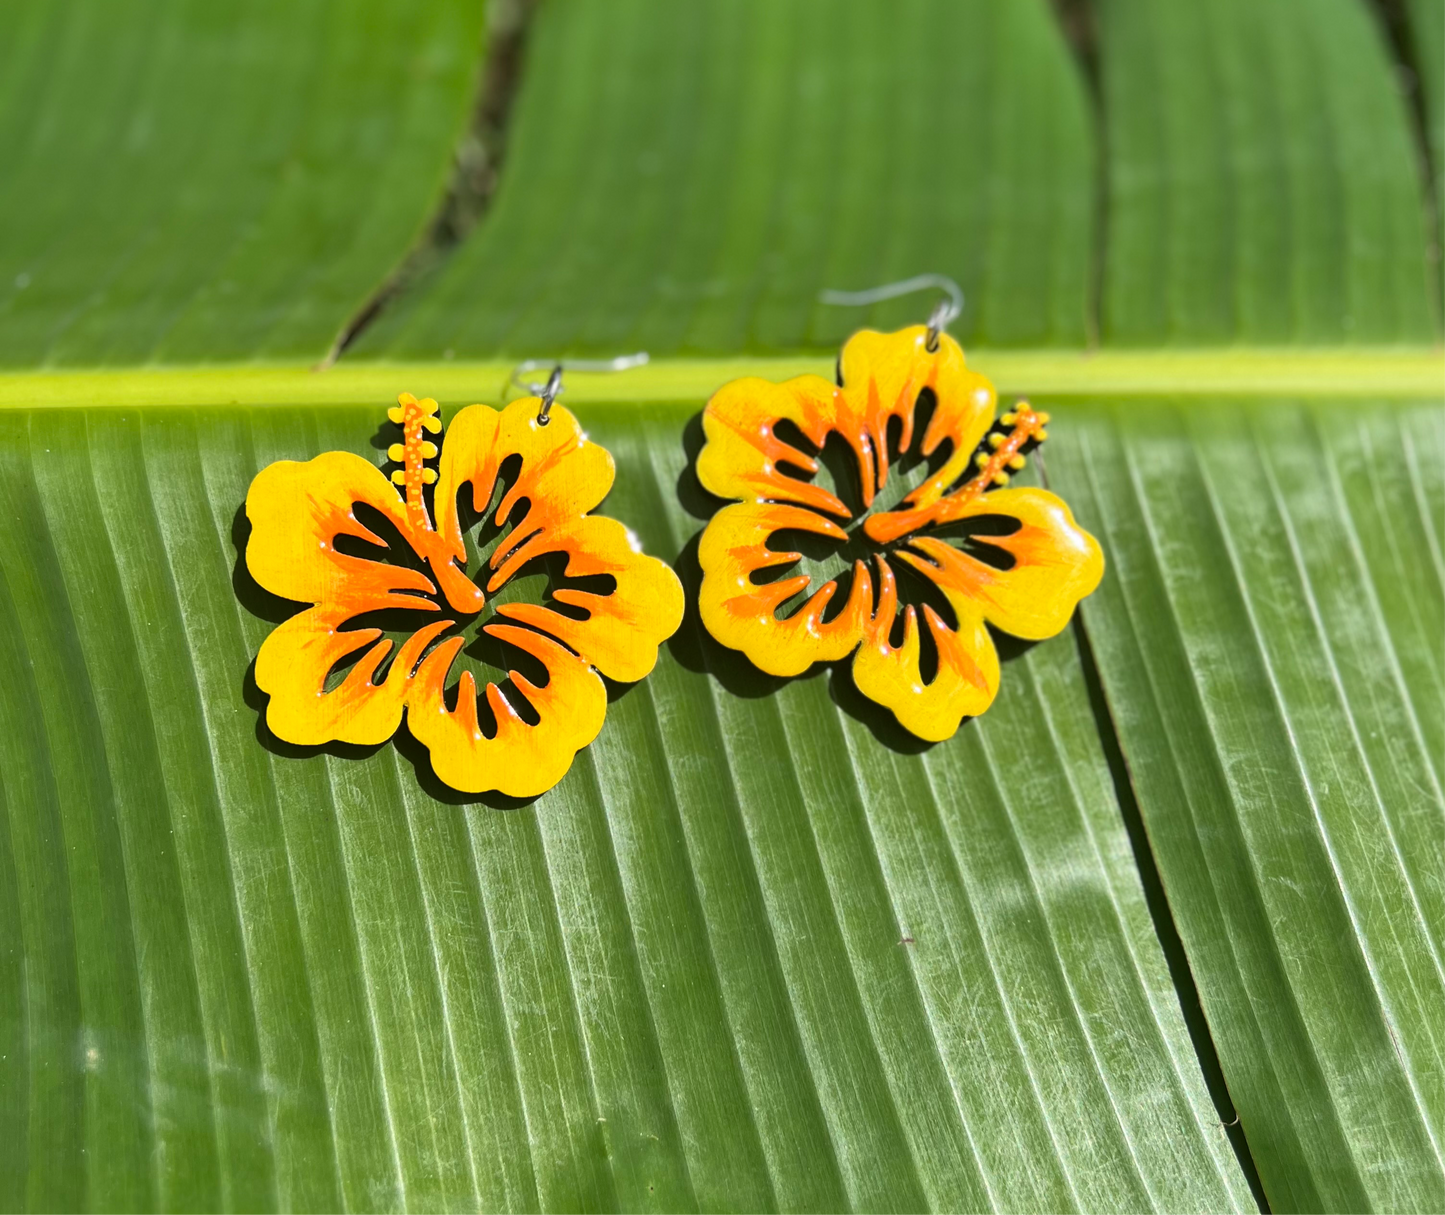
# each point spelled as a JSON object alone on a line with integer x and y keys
{"x": 205, "y": 182}
{"x": 753, "y": 952}
{"x": 684, "y": 178}
{"x": 1270, "y": 636}
{"x": 1263, "y": 180}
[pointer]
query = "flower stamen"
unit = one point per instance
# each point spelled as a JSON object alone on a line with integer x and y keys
{"x": 993, "y": 469}
{"x": 413, "y": 451}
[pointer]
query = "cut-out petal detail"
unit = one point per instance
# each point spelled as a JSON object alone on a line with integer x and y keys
{"x": 300, "y": 653}
{"x": 1056, "y": 563}
{"x": 964, "y": 685}
{"x": 522, "y": 760}
{"x": 741, "y": 613}
{"x": 297, "y": 511}
{"x": 883, "y": 375}
{"x": 623, "y": 628}
{"x": 562, "y": 477}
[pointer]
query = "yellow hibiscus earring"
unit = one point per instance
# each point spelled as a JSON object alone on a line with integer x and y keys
{"x": 371, "y": 555}
{"x": 1012, "y": 558}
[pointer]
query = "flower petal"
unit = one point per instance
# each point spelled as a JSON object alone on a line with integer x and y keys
{"x": 624, "y": 628}
{"x": 562, "y": 475}
{"x": 883, "y": 375}
{"x": 1056, "y": 563}
{"x": 300, "y": 653}
{"x": 522, "y": 760}
{"x": 964, "y": 685}
{"x": 743, "y": 454}
{"x": 740, "y": 613}
{"x": 298, "y": 510}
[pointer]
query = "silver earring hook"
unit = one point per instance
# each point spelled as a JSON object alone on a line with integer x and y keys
{"x": 944, "y": 312}
{"x": 553, "y": 388}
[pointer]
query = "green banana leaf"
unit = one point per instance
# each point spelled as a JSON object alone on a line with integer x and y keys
{"x": 1160, "y": 931}
{"x": 1264, "y": 182}
{"x": 1273, "y": 645}
{"x": 190, "y": 182}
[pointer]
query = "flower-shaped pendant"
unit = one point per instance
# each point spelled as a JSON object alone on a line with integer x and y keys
{"x": 1011, "y": 558}
{"x": 335, "y": 534}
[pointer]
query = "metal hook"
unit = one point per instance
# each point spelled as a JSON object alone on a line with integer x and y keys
{"x": 552, "y": 389}
{"x": 944, "y": 312}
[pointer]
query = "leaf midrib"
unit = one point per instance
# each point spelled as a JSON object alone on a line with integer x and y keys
{"x": 1331, "y": 372}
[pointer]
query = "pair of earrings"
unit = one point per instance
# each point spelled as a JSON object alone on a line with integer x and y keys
{"x": 398, "y": 571}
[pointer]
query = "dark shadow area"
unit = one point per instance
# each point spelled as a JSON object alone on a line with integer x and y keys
{"x": 697, "y": 501}
{"x": 1008, "y": 646}
{"x": 881, "y": 723}
{"x": 1078, "y": 22}
{"x": 255, "y": 598}
{"x": 386, "y": 433}
{"x": 1164, "y": 926}
{"x": 616, "y": 689}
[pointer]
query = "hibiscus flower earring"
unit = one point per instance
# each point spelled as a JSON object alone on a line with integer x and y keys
{"x": 975, "y": 552}
{"x": 372, "y": 556}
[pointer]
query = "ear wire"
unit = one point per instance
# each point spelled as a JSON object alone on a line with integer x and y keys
{"x": 548, "y": 392}
{"x": 944, "y": 312}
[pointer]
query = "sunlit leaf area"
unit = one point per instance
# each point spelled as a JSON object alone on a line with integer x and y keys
{"x": 1162, "y": 930}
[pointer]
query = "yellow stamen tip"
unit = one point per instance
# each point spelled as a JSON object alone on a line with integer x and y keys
{"x": 428, "y": 406}
{"x": 399, "y": 477}
{"x": 405, "y": 398}
{"x": 1043, "y": 417}
{"x": 395, "y": 415}
{"x": 434, "y": 425}
{"x": 1009, "y": 419}
{"x": 1017, "y": 463}
{"x": 428, "y": 450}
{"x": 1041, "y": 435}
{"x": 982, "y": 460}
{"x": 396, "y": 452}
{"x": 429, "y": 475}
{"x": 1000, "y": 478}
{"x": 995, "y": 440}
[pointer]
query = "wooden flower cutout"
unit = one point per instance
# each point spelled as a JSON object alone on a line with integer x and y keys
{"x": 1011, "y": 558}
{"x": 334, "y": 533}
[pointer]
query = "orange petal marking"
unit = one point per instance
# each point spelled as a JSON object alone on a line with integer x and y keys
{"x": 647, "y": 601}
{"x": 964, "y": 685}
{"x": 1056, "y": 563}
{"x": 891, "y": 525}
{"x": 741, "y": 613}
{"x": 521, "y": 760}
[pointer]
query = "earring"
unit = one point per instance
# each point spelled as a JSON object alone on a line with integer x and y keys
{"x": 977, "y": 552}
{"x": 371, "y": 555}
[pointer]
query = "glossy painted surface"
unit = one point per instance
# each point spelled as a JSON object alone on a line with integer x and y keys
{"x": 1027, "y": 584}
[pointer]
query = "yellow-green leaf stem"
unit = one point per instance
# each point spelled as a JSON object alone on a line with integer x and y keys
{"x": 1336, "y": 372}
